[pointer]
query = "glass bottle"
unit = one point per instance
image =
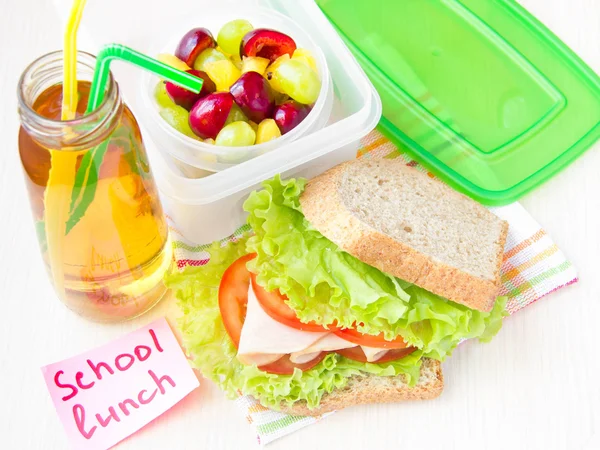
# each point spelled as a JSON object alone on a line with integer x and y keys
{"x": 99, "y": 221}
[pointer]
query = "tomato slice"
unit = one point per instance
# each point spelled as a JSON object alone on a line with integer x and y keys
{"x": 357, "y": 354}
{"x": 283, "y": 366}
{"x": 273, "y": 303}
{"x": 368, "y": 340}
{"x": 233, "y": 297}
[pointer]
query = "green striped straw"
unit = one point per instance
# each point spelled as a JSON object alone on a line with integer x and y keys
{"x": 110, "y": 52}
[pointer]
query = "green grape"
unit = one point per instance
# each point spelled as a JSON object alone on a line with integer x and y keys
{"x": 236, "y": 115}
{"x": 296, "y": 79}
{"x": 177, "y": 117}
{"x": 231, "y": 34}
{"x": 236, "y": 134}
{"x": 161, "y": 96}
{"x": 207, "y": 56}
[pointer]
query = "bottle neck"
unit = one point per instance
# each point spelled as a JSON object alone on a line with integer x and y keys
{"x": 72, "y": 135}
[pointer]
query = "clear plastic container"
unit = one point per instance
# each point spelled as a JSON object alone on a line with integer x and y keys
{"x": 478, "y": 90}
{"x": 210, "y": 208}
{"x": 191, "y": 154}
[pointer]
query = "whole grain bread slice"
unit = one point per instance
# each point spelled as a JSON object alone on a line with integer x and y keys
{"x": 409, "y": 225}
{"x": 377, "y": 389}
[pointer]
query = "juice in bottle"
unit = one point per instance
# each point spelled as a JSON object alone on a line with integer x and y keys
{"x": 116, "y": 247}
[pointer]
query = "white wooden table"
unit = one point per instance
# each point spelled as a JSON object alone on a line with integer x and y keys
{"x": 534, "y": 387}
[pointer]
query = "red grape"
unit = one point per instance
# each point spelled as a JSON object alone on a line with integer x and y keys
{"x": 209, "y": 114}
{"x": 254, "y": 96}
{"x": 185, "y": 98}
{"x": 289, "y": 114}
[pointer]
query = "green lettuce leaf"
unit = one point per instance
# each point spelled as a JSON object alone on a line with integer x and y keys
{"x": 214, "y": 354}
{"x": 327, "y": 285}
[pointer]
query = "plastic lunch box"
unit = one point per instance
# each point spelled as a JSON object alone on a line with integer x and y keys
{"x": 478, "y": 90}
{"x": 210, "y": 208}
{"x": 191, "y": 154}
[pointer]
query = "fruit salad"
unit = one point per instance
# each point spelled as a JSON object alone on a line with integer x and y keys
{"x": 258, "y": 85}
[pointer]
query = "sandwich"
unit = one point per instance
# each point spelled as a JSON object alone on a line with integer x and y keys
{"x": 351, "y": 288}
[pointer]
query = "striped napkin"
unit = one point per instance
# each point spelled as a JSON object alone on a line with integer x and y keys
{"x": 533, "y": 267}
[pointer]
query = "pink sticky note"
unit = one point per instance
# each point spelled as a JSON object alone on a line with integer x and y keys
{"x": 106, "y": 394}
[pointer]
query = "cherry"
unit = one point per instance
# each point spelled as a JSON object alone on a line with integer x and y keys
{"x": 267, "y": 43}
{"x": 193, "y": 43}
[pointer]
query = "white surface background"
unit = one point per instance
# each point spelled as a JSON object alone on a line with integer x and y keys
{"x": 534, "y": 387}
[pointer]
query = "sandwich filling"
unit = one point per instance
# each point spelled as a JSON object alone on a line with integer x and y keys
{"x": 264, "y": 340}
{"x": 268, "y": 334}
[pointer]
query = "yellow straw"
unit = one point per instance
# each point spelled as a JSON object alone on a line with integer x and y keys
{"x": 62, "y": 171}
{"x": 69, "y": 101}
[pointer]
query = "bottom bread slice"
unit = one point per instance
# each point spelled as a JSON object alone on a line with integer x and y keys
{"x": 377, "y": 389}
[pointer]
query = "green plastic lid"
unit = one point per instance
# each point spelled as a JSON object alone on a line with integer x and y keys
{"x": 478, "y": 90}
